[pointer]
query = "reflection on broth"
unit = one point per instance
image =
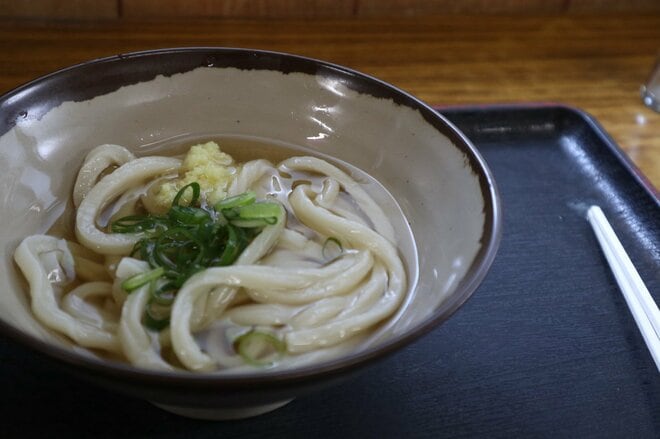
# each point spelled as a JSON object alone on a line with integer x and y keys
{"x": 248, "y": 255}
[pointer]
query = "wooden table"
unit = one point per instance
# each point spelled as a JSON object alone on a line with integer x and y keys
{"x": 594, "y": 63}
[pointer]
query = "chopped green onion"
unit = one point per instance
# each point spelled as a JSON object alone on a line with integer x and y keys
{"x": 178, "y": 247}
{"x": 250, "y": 224}
{"x": 188, "y": 215}
{"x": 257, "y": 347}
{"x": 188, "y": 239}
{"x": 233, "y": 247}
{"x": 230, "y": 214}
{"x": 269, "y": 212}
{"x": 243, "y": 199}
{"x": 134, "y": 224}
{"x": 164, "y": 295}
{"x": 196, "y": 190}
{"x": 332, "y": 248}
{"x": 135, "y": 282}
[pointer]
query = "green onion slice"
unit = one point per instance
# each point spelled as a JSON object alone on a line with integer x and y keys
{"x": 256, "y": 347}
{"x": 188, "y": 215}
{"x": 196, "y": 190}
{"x": 135, "y": 224}
{"x": 135, "y": 282}
{"x": 164, "y": 294}
{"x": 269, "y": 212}
{"x": 249, "y": 224}
{"x": 235, "y": 244}
{"x": 178, "y": 246}
{"x": 243, "y": 199}
{"x": 230, "y": 214}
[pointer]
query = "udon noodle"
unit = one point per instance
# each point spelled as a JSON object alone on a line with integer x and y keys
{"x": 205, "y": 264}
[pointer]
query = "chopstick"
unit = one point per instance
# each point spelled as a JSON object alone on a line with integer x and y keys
{"x": 639, "y": 300}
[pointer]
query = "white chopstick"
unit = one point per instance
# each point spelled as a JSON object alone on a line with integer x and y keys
{"x": 639, "y": 300}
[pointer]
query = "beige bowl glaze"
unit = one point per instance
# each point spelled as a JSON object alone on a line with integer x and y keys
{"x": 439, "y": 180}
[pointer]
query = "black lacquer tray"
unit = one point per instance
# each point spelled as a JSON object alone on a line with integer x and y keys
{"x": 546, "y": 347}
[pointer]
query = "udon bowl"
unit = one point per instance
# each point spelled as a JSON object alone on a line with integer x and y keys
{"x": 138, "y": 100}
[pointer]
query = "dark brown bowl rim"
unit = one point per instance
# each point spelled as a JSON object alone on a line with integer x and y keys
{"x": 284, "y": 62}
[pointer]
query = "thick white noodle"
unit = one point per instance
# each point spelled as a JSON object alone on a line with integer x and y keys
{"x": 356, "y": 234}
{"x": 90, "y": 266}
{"x": 361, "y": 237}
{"x": 251, "y": 277}
{"x": 336, "y": 331}
{"x": 209, "y": 309}
{"x": 125, "y": 205}
{"x": 262, "y": 314}
{"x": 90, "y": 271}
{"x": 341, "y": 282}
{"x": 136, "y": 342}
{"x": 149, "y": 197}
{"x": 367, "y": 294}
{"x": 329, "y": 193}
{"x": 329, "y": 198}
{"x": 366, "y": 203}
{"x": 249, "y": 173}
{"x": 294, "y": 249}
{"x": 294, "y": 240}
{"x": 283, "y": 281}
{"x": 77, "y": 303}
{"x": 315, "y": 313}
{"x": 105, "y": 191}
{"x": 98, "y": 160}
{"x": 272, "y": 314}
{"x": 43, "y": 296}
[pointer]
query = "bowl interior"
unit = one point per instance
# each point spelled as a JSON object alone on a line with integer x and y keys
{"x": 143, "y": 101}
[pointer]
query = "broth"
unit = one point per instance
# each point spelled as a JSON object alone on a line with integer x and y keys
{"x": 213, "y": 339}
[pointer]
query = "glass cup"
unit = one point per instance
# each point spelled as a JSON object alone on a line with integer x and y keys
{"x": 650, "y": 90}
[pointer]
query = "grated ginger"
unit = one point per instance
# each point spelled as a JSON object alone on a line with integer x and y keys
{"x": 205, "y": 164}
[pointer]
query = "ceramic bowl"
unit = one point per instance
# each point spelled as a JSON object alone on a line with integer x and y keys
{"x": 139, "y": 100}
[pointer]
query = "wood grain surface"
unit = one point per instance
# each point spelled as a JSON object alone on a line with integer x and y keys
{"x": 595, "y": 63}
{"x": 60, "y": 9}
{"x": 117, "y": 9}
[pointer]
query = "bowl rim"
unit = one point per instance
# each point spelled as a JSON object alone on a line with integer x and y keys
{"x": 360, "y": 82}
